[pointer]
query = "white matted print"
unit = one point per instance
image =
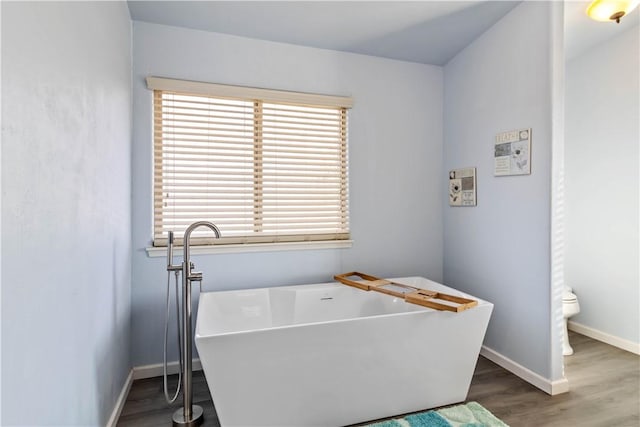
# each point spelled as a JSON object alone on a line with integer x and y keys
{"x": 512, "y": 153}
{"x": 462, "y": 187}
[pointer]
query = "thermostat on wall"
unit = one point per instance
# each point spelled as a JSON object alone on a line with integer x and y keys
{"x": 462, "y": 187}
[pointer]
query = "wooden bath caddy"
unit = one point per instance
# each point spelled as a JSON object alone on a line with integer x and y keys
{"x": 409, "y": 293}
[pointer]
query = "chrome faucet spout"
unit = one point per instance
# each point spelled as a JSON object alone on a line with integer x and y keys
{"x": 187, "y": 236}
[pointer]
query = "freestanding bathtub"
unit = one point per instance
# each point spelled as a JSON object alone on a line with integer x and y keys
{"x": 332, "y": 355}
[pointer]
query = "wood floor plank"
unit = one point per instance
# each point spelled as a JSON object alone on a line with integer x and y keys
{"x": 604, "y": 382}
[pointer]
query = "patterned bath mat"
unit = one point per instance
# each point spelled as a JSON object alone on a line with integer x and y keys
{"x": 471, "y": 414}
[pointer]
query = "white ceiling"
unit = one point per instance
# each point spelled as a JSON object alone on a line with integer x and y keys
{"x": 429, "y": 32}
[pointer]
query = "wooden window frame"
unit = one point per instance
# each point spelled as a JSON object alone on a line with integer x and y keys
{"x": 263, "y": 134}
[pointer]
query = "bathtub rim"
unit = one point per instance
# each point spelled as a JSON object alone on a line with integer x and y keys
{"x": 421, "y": 311}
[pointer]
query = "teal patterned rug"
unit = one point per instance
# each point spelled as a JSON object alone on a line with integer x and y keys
{"x": 471, "y": 414}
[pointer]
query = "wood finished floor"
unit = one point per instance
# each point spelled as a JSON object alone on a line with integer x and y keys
{"x": 604, "y": 382}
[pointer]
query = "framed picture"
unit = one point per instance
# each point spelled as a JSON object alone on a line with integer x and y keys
{"x": 512, "y": 153}
{"x": 462, "y": 187}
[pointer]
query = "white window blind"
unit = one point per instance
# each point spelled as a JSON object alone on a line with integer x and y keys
{"x": 264, "y": 170}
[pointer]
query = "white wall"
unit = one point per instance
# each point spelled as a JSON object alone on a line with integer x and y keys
{"x": 395, "y": 172}
{"x": 66, "y": 144}
{"x": 500, "y": 250}
{"x": 602, "y": 164}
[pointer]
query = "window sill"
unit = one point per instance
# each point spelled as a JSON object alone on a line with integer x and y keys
{"x": 156, "y": 252}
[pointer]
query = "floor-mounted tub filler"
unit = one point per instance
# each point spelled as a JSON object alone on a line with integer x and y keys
{"x": 189, "y": 415}
{"x": 330, "y": 355}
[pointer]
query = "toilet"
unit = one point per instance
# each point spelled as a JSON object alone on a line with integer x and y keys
{"x": 570, "y": 307}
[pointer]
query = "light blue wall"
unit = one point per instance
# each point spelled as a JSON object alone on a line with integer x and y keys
{"x": 500, "y": 250}
{"x": 66, "y": 227}
{"x": 603, "y": 185}
{"x": 395, "y": 171}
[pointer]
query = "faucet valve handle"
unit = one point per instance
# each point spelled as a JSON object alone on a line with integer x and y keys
{"x": 196, "y": 276}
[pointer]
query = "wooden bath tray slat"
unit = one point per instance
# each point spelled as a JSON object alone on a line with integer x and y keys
{"x": 410, "y": 294}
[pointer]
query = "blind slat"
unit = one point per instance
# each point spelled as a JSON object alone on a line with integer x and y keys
{"x": 183, "y": 193}
{"x": 309, "y": 172}
{"x": 230, "y": 123}
{"x": 302, "y": 146}
{"x": 172, "y": 139}
{"x": 219, "y": 156}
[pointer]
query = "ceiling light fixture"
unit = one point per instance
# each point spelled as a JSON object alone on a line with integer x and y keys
{"x": 611, "y": 10}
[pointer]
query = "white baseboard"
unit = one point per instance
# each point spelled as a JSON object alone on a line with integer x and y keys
{"x": 157, "y": 370}
{"x": 605, "y": 338}
{"x": 544, "y": 384}
{"x": 122, "y": 398}
{"x": 141, "y": 372}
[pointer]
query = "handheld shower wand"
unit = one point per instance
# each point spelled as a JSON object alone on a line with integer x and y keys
{"x": 176, "y": 270}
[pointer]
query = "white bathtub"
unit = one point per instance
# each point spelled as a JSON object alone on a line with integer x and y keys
{"x": 332, "y": 355}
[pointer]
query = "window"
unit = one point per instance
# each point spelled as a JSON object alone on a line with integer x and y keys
{"x": 264, "y": 166}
